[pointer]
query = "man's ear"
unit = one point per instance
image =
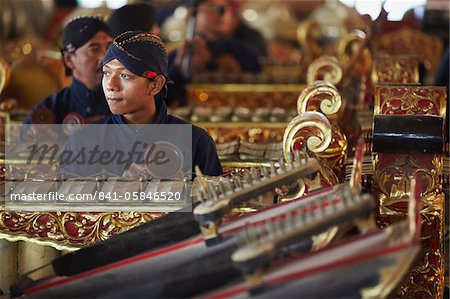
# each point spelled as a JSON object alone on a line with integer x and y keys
{"x": 158, "y": 84}
{"x": 68, "y": 57}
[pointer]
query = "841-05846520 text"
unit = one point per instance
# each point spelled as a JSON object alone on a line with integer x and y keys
{"x": 142, "y": 196}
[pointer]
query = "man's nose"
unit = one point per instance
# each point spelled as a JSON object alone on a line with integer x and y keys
{"x": 112, "y": 84}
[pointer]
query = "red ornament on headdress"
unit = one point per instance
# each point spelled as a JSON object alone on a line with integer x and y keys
{"x": 149, "y": 74}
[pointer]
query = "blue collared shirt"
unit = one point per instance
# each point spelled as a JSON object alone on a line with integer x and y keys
{"x": 75, "y": 98}
{"x": 203, "y": 149}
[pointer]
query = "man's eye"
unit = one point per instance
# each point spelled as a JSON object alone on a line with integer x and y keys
{"x": 93, "y": 49}
{"x": 125, "y": 76}
{"x": 105, "y": 73}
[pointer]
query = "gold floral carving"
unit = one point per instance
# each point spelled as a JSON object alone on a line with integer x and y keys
{"x": 69, "y": 230}
{"x": 392, "y": 178}
{"x": 326, "y": 68}
{"x": 394, "y": 183}
{"x": 244, "y": 95}
{"x": 426, "y": 280}
{"x": 416, "y": 100}
{"x": 411, "y": 41}
{"x": 396, "y": 69}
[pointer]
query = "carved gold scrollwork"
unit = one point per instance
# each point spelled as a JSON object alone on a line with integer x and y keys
{"x": 308, "y": 34}
{"x": 394, "y": 183}
{"x": 325, "y": 68}
{"x": 392, "y": 178}
{"x": 396, "y": 69}
{"x": 68, "y": 230}
{"x": 426, "y": 280}
{"x": 320, "y": 96}
{"x": 417, "y": 100}
{"x": 4, "y": 74}
{"x": 313, "y": 131}
{"x": 309, "y": 130}
{"x": 406, "y": 40}
{"x": 349, "y": 45}
{"x": 324, "y": 96}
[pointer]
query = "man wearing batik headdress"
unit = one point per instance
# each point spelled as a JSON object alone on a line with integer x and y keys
{"x": 135, "y": 82}
{"x": 85, "y": 41}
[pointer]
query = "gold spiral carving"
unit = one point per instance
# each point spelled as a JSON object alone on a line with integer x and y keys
{"x": 324, "y": 97}
{"x": 308, "y": 34}
{"x": 326, "y": 68}
{"x": 349, "y": 45}
{"x": 310, "y": 130}
{"x": 4, "y": 74}
{"x": 320, "y": 96}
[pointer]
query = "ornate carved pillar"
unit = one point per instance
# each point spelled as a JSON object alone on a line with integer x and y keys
{"x": 396, "y": 163}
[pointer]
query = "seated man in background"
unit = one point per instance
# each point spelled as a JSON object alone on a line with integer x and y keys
{"x": 134, "y": 17}
{"x": 234, "y": 27}
{"x": 85, "y": 41}
{"x": 212, "y": 49}
{"x": 135, "y": 81}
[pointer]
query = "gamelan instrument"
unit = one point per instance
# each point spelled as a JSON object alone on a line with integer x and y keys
{"x": 195, "y": 268}
{"x": 170, "y": 228}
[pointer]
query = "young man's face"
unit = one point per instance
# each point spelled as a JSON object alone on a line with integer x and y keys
{"x": 86, "y": 61}
{"x": 130, "y": 95}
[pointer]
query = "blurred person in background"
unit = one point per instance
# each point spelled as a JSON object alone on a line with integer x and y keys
{"x": 213, "y": 49}
{"x": 233, "y": 26}
{"x": 138, "y": 16}
{"x": 85, "y": 41}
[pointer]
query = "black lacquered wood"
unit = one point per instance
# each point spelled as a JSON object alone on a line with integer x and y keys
{"x": 167, "y": 230}
{"x": 408, "y": 134}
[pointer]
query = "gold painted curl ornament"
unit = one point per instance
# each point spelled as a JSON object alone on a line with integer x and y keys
{"x": 5, "y": 74}
{"x": 324, "y": 97}
{"x": 310, "y": 131}
{"x": 309, "y": 32}
{"x": 353, "y": 52}
{"x": 320, "y": 96}
{"x": 326, "y": 68}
